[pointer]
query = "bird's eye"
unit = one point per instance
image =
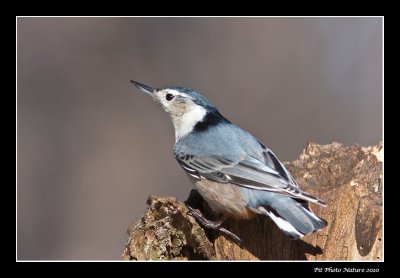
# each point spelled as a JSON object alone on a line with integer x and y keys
{"x": 169, "y": 97}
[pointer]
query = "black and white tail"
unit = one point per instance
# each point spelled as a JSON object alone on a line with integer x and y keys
{"x": 293, "y": 217}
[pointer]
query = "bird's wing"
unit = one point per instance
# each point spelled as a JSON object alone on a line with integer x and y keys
{"x": 246, "y": 171}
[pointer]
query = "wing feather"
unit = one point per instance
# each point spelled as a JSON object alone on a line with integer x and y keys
{"x": 245, "y": 171}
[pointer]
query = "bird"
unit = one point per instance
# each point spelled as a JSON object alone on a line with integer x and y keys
{"x": 236, "y": 174}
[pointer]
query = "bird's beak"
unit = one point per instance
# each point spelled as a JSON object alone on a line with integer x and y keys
{"x": 144, "y": 88}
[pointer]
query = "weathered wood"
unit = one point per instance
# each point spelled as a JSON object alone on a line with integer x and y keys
{"x": 348, "y": 178}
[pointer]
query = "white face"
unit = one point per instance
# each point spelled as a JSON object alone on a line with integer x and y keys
{"x": 172, "y": 101}
{"x": 185, "y": 114}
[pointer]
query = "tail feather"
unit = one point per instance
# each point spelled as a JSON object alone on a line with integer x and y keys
{"x": 294, "y": 218}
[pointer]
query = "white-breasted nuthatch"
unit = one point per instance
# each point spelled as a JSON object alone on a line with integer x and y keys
{"x": 234, "y": 172}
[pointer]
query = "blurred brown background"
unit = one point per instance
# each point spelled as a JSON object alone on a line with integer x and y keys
{"x": 91, "y": 148}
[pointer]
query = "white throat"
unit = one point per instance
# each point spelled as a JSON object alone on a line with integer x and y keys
{"x": 185, "y": 123}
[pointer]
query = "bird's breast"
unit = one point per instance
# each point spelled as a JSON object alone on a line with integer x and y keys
{"x": 224, "y": 198}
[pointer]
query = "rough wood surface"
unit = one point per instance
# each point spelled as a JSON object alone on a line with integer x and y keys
{"x": 348, "y": 178}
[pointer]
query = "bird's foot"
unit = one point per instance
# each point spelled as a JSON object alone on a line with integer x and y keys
{"x": 214, "y": 225}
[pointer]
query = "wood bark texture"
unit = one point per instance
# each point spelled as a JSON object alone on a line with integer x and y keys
{"x": 349, "y": 179}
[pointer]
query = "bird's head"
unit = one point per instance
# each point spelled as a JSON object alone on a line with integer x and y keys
{"x": 189, "y": 110}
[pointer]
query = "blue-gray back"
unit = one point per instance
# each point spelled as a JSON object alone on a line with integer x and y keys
{"x": 221, "y": 140}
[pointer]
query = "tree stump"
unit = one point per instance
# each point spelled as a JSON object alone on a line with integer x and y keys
{"x": 349, "y": 179}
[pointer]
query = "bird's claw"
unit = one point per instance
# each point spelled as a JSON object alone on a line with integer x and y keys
{"x": 215, "y": 225}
